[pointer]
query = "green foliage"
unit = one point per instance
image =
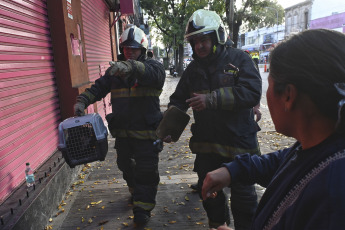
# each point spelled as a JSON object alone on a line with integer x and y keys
{"x": 170, "y": 18}
{"x": 265, "y": 15}
{"x": 155, "y": 51}
{"x": 254, "y": 14}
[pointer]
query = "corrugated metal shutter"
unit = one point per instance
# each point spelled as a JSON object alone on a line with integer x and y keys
{"x": 95, "y": 16}
{"x": 28, "y": 95}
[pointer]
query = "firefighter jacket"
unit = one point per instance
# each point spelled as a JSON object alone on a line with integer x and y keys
{"x": 230, "y": 128}
{"x": 135, "y": 102}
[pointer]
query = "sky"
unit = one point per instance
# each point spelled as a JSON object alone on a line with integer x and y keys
{"x": 288, "y": 3}
{"x": 283, "y": 3}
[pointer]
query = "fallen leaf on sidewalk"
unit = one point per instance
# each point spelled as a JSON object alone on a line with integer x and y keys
{"x": 98, "y": 202}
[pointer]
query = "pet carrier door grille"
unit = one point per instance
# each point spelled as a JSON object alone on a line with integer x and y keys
{"x": 81, "y": 142}
{"x": 83, "y": 139}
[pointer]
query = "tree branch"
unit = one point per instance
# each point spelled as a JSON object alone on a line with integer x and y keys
{"x": 166, "y": 32}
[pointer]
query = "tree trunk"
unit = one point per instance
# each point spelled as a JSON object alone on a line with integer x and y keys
{"x": 181, "y": 59}
{"x": 236, "y": 30}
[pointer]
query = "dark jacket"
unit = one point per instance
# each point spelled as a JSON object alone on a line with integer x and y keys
{"x": 305, "y": 188}
{"x": 135, "y": 102}
{"x": 230, "y": 129}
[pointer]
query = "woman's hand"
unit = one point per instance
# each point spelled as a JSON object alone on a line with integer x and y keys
{"x": 223, "y": 227}
{"x": 215, "y": 181}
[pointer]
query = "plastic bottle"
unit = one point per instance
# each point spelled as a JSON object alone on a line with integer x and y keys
{"x": 29, "y": 175}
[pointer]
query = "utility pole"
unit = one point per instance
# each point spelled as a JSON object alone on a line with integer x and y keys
{"x": 231, "y": 19}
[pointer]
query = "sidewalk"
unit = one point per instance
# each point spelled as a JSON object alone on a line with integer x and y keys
{"x": 99, "y": 197}
{"x": 100, "y": 200}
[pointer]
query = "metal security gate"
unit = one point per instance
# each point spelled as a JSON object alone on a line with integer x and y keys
{"x": 29, "y": 105}
{"x": 95, "y": 14}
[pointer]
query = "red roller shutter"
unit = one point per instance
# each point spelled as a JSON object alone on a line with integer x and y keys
{"x": 95, "y": 16}
{"x": 29, "y": 104}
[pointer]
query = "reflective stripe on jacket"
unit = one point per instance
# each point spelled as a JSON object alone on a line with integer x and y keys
{"x": 135, "y": 101}
{"x": 230, "y": 129}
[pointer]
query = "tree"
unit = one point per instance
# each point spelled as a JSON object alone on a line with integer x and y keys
{"x": 166, "y": 42}
{"x": 170, "y": 18}
{"x": 255, "y": 15}
{"x": 156, "y": 52}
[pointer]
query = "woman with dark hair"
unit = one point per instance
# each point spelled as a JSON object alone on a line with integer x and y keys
{"x": 305, "y": 184}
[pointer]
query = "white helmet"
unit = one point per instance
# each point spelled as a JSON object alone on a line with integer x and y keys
{"x": 133, "y": 37}
{"x": 205, "y": 22}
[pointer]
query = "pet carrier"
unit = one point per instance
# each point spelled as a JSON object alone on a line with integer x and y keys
{"x": 83, "y": 139}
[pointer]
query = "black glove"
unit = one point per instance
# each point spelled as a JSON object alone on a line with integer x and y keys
{"x": 80, "y": 106}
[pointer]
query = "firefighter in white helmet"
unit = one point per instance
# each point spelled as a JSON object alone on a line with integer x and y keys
{"x": 222, "y": 86}
{"x": 135, "y": 83}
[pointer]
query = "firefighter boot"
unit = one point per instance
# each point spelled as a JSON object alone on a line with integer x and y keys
{"x": 141, "y": 217}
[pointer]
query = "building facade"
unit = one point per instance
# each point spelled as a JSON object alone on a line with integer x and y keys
{"x": 330, "y": 15}
{"x": 262, "y": 40}
{"x": 297, "y": 18}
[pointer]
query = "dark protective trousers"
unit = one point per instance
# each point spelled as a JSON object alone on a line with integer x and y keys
{"x": 243, "y": 197}
{"x": 138, "y": 160}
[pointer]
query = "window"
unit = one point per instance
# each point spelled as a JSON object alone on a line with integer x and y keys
{"x": 295, "y": 22}
{"x": 250, "y": 40}
{"x": 288, "y": 23}
{"x": 306, "y": 21}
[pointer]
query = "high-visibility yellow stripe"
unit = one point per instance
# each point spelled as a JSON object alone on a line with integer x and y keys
{"x": 142, "y": 134}
{"x": 223, "y": 150}
{"x": 227, "y": 98}
{"x": 232, "y": 71}
{"x": 135, "y": 92}
{"x": 143, "y": 205}
{"x": 203, "y": 91}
